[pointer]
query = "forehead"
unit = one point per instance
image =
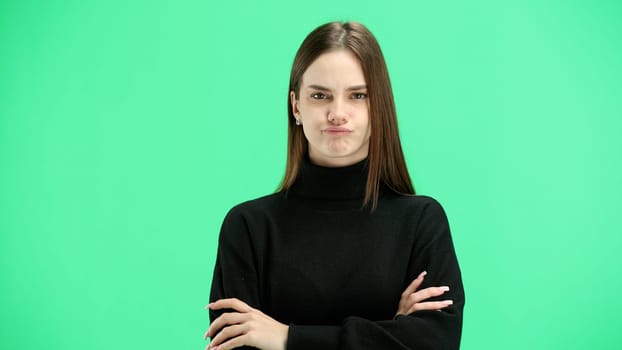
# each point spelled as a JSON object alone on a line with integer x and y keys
{"x": 335, "y": 69}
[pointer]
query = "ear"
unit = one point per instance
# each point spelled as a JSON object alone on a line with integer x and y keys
{"x": 294, "y": 102}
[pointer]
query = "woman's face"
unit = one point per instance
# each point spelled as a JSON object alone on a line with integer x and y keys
{"x": 334, "y": 110}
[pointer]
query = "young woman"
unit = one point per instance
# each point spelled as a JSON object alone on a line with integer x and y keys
{"x": 344, "y": 255}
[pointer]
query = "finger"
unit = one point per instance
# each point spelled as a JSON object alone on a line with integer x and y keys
{"x": 427, "y": 293}
{"x": 430, "y": 305}
{"x": 407, "y": 302}
{"x": 232, "y": 303}
{"x": 229, "y": 333}
{"x": 234, "y": 343}
{"x": 225, "y": 319}
{"x": 415, "y": 284}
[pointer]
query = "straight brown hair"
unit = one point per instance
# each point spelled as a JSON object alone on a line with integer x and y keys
{"x": 385, "y": 160}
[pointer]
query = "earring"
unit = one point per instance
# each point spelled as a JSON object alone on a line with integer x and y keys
{"x": 298, "y": 122}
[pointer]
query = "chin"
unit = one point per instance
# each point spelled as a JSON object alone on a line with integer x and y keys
{"x": 341, "y": 154}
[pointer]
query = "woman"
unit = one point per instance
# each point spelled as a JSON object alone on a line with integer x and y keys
{"x": 343, "y": 255}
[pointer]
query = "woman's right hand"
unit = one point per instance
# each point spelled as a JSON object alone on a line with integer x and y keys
{"x": 413, "y": 300}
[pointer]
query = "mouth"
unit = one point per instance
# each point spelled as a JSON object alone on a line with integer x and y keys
{"x": 337, "y": 131}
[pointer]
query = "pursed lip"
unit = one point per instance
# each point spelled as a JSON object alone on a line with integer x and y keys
{"x": 336, "y": 130}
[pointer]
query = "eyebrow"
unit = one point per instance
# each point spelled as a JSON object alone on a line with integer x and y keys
{"x": 351, "y": 88}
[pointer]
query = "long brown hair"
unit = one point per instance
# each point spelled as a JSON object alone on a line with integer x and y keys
{"x": 385, "y": 160}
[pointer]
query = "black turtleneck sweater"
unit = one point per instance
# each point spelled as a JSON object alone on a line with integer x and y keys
{"x": 314, "y": 259}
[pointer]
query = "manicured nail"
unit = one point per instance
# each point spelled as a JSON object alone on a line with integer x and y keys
{"x": 445, "y": 288}
{"x": 448, "y": 302}
{"x": 423, "y": 274}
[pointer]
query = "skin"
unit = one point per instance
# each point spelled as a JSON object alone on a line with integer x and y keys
{"x": 334, "y": 112}
{"x": 333, "y": 98}
{"x": 412, "y": 300}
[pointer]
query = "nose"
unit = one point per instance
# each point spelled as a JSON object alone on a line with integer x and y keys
{"x": 337, "y": 114}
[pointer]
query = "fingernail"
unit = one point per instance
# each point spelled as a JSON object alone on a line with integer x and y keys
{"x": 449, "y": 302}
{"x": 423, "y": 273}
{"x": 445, "y": 288}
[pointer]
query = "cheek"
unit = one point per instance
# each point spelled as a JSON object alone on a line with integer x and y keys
{"x": 367, "y": 120}
{"x": 363, "y": 111}
{"x": 309, "y": 113}
{"x": 309, "y": 131}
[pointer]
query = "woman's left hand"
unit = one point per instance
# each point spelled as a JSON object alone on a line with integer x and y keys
{"x": 413, "y": 300}
{"x": 244, "y": 326}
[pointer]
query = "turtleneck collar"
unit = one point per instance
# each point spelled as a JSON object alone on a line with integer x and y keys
{"x": 325, "y": 183}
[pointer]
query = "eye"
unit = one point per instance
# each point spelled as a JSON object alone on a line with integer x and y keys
{"x": 318, "y": 96}
{"x": 359, "y": 96}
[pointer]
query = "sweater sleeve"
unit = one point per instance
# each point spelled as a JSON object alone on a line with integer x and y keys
{"x": 235, "y": 274}
{"x": 433, "y": 251}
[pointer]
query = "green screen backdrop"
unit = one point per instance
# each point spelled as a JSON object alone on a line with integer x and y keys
{"x": 129, "y": 128}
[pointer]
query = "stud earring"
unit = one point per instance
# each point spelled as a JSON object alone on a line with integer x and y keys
{"x": 298, "y": 122}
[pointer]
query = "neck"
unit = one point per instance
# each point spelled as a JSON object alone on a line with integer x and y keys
{"x": 331, "y": 183}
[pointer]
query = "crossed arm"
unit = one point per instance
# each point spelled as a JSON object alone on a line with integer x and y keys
{"x": 246, "y": 326}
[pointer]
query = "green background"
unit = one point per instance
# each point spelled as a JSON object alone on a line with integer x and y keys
{"x": 128, "y": 129}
